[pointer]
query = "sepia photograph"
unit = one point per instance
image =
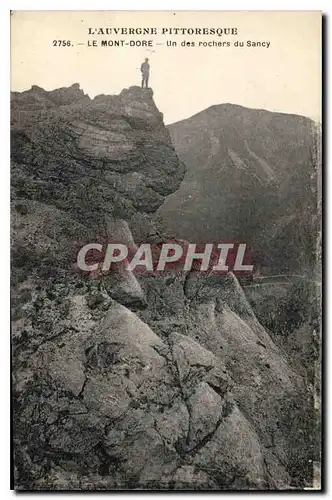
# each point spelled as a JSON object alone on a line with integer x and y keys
{"x": 166, "y": 250}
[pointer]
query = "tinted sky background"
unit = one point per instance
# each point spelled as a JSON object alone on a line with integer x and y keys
{"x": 285, "y": 77}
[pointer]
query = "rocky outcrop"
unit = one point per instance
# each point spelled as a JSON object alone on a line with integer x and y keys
{"x": 90, "y": 157}
{"x": 122, "y": 381}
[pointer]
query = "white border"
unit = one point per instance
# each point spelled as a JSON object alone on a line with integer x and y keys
{"x": 325, "y": 6}
{"x": 170, "y": 5}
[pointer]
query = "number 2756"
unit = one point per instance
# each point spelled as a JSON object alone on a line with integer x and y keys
{"x": 61, "y": 43}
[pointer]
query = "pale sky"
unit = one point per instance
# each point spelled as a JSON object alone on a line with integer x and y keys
{"x": 285, "y": 77}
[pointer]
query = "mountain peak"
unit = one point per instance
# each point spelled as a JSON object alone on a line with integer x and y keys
{"x": 246, "y": 161}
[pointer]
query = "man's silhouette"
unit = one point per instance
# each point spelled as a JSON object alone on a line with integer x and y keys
{"x": 145, "y": 70}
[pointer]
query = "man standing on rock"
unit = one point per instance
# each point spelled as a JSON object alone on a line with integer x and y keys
{"x": 145, "y": 70}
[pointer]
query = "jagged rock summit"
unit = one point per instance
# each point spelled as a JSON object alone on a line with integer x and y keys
{"x": 112, "y": 152}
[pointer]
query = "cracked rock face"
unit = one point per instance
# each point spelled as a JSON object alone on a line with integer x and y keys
{"x": 132, "y": 382}
{"x": 112, "y": 401}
